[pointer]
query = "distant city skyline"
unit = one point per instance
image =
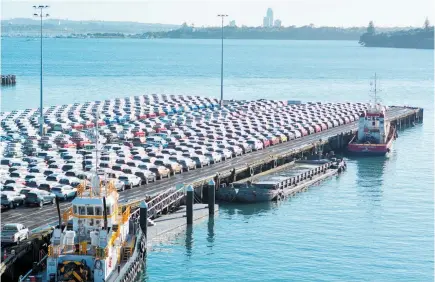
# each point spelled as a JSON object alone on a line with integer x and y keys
{"x": 339, "y": 13}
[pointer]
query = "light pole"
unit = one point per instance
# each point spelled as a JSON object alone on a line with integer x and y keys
{"x": 41, "y": 113}
{"x": 222, "y": 60}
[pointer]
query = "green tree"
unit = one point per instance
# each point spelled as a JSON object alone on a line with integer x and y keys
{"x": 371, "y": 28}
{"x": 426, "y": 24}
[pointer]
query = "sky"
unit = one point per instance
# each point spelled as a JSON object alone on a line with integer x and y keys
{"x": 340, "y": 13}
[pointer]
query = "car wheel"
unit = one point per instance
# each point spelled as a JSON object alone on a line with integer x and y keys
{"x": 146, "y": 181}
{"x": 65, "y": 197}
{"x": 123, "y": 187}
{"x": 53, "y": 201}
{"x": 11, "y": 205}
{"x": 41, "y": 204}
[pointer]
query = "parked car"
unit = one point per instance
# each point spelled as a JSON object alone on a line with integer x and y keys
{"x": 200, "y": 160}
{"x": 64, "y": 191}
{"x": 130, "y": 180}
{"x": 160, "y": 171}
{"x": 11, "y": 199}
{"x": 39, "y": 198}
{"x": 187, "y": 164}
{"x": 14, "y": 233}
{"x": 146, "y": 176}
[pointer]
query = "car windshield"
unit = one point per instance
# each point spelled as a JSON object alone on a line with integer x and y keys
{"x": 56, "y": 190}
{"x": 9, "y": 228}
{"x": 123, "y": 178}
{"x": 32, "y": 195}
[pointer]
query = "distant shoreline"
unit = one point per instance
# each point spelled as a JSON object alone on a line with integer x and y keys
{"x": 104, "y": 37}
{"x": 309, "y": 32}
{"x": 421, "y": 38}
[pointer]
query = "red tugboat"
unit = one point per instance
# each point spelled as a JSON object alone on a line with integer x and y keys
{"x": 375, "y": 135}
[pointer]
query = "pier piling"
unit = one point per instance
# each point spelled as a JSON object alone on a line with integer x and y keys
{"x": 9, "y": 79}
{"x": 189, "y": 204}
{"x": 211, "y": 197}
{"x": 143, "y": 220}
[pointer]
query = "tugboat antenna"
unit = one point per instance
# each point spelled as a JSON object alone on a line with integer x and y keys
{"x": 375, "y": 90}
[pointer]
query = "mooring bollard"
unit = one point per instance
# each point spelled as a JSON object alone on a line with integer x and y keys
{"x": 143, "y": 220}
{"x": 211, "y": 197}
{"x": 189, "y": 204}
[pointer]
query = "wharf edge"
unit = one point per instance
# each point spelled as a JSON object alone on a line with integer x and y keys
{"x": 248, "y": 165}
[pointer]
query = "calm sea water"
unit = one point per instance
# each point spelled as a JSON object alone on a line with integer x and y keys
{"x": 373, "y": 223}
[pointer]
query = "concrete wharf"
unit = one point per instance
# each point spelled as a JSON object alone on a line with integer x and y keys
{"x": 231, "y": 170}
{"x": 225, "y": 172}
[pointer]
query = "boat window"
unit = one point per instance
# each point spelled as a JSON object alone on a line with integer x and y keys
{"x": 98, "y": 211}
{"x": 90, "y": 210}
{"x": 109, "y": 210}
{"x": 82, "y": 210}
{"x": 74, "y": 209}
{"x": 373, "y": 123}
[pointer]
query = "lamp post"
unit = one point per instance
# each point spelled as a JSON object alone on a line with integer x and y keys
{"x": 222, "y": 60}
{"x": 41, "y": 113}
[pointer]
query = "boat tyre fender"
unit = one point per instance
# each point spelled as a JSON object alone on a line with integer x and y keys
{"x": 275, "y": 163}
{"x": 388, "y": 150}
{"x": 142, "y": 246}
{"x": 251, "y": 171}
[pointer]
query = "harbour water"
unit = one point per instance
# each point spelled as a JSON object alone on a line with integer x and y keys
{"x": 375, "y": 222}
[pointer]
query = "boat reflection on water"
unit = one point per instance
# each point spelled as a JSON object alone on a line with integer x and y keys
{"x": 210, "y": 232}
{"x": 370, "y": 176}
{"x": 251, "y": 209}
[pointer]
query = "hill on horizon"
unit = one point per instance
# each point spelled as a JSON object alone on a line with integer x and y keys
{"x": 27, "y": 26}
{"x": 64, "y": 27}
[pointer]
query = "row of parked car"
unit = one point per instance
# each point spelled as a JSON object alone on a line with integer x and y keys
{"x": 145, "y": 138}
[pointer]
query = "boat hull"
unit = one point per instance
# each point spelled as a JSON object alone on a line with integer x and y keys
{"x": 256, "y": 196}
{"x": 372, "y": 149}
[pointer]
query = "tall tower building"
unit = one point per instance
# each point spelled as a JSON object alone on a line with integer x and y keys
{"x": 265, "y": 22}
{"x": 269, "y": 15}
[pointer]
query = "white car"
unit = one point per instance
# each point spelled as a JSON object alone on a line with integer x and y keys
{"x": 119, "y": 185}
{"x": 227, "y": 154}
{"x": 14, "y": 233}
{"x": 255, "y": 144}
{"x": 130, "y": 180}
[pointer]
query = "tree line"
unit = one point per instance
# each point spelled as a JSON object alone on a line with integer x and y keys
{"x": 418, "y": 38}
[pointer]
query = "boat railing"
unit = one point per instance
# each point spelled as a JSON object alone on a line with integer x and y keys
{"x": 67, "y": 214}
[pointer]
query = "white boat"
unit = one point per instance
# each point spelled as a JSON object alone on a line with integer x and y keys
{"x": 104, "y": 243}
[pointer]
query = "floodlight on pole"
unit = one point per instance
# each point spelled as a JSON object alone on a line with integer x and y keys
{"x": 222, "y": 59}
{"x": 41, "y": 15}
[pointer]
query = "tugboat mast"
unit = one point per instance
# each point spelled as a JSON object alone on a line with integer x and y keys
{"x": 375, "y": 89}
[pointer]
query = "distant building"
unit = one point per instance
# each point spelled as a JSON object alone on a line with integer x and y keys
{"x": 269, "y": 15}
{"x": 268, "y": 20}
{"x": 233, "y": 23}
{"x": 265, "y": 22}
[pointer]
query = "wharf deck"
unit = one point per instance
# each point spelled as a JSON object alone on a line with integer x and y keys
{"x": 34, "y": 217}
